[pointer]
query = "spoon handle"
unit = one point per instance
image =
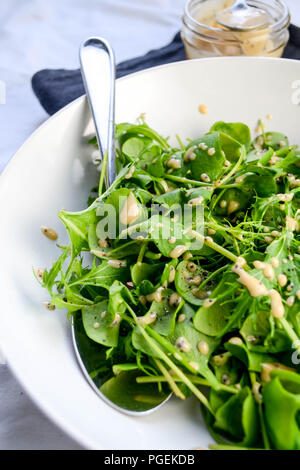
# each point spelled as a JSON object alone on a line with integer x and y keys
{"x": 97, "y": 65}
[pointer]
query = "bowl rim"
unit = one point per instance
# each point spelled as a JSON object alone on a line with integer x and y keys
{"x": 48, "y": 409}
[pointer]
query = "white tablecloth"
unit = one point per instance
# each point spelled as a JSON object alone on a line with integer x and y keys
{"x": 36, "y": 34}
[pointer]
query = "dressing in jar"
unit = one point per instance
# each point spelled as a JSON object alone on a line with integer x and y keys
{"x": 204, "y": 37}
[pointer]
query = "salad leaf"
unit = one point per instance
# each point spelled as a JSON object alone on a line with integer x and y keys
{"x": 165, "y": 303}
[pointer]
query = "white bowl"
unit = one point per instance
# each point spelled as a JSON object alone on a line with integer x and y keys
{"x": 53, "y": 170}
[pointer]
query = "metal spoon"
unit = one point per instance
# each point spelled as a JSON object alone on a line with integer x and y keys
{"x": 98, "y": 72}
{"x": 241, "y": 16}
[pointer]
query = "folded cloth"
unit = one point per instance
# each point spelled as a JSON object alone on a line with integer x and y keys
{"x": 56, "y": 88}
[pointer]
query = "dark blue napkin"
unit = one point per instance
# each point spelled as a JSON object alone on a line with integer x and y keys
{"x": 56, "y": 88}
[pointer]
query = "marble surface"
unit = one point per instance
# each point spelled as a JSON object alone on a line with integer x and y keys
{"x": 38, "y": 34}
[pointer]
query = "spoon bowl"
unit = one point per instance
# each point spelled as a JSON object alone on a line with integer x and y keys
{"x": 241, "y": 16}
{"x": 98, "y": 72}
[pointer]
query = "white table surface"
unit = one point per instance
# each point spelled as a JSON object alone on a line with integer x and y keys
{"x": 36, "y": 34}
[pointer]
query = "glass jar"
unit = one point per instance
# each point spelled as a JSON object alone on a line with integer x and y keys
{"x": 203, "y": 37}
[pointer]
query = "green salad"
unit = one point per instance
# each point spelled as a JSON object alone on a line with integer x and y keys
{"x": 205, "y": 305}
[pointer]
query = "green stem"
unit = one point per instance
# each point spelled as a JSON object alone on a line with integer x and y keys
{"x": 179, "y": 179}
{"x": 171, "y": 364}
{"x": 103, "y": 173}
{"x": 133, "y": 242}
{"x": 142, "y": 252}
{"x": 263, "y": 427}
{"x": 130, "y": 229}
{"x": 234, "y": 169}
{"x": 290, "y": 332}
{"x": 266, "y": 441}
{"x": 169, "y": 347}
{"x": 212, "y": 275}
{"x": 158, "y": 379}
{"x": 172, "y": 349}
{"x": 209, "y": 242}
{"x": 168, "y": 378}
{"x": 227, "y": 186}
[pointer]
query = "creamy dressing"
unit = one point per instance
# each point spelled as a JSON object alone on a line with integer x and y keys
{"x": 130, "y": 172}
{"x": 116, "y": 320}
{"x": 232, "y": 207}
{"x": 208, "y": 302}
{"x": 221, "y": 359}
{"x": 103, "y": 243}
{"x": 236, "y": 340}
{"x": 256, "y": 392}
{"x": 174, "y": 299}
{"x": 190, "y": 154}
{"x": 181, "y": 318}
{"x": 131, "y": 211}
{"x": 187, "y": 256}
{"x": 49, "y": 232}
{"x": 39, "y": 272}
{"x": 290, "y": 300}
{"x": 147, "y": 319}
{"x": 177, "y": 356}
{"x": 239, "y": 179}
{"x": 116, "y": 263}
{"x": 174, "y": 163}
{"x": 165, "y": 185}
{"x": 172, "y": 274}
{"x": 294, "y": 182}
{"x": 275, "y": 262}
{"x": 203, "y": 347}
{"x": 285, "y": 197}
{"x": 98, "y": 253}
{"x": 255, "y": 287}
{"x": 204, "y": 177}
{"x": 203, "y": 109}
{"x": 202, "y": 146}
{"x": 194, "y": 365}
{"x": 156, "y": 296}
{"x": 253, "y": 42}
{"x": 258, "y": 264}
{"x": 194, "y": 281}
{"x": 268, "y": 367}
{"x": 277, "y": 308}
{"x": 275, "y": 233}
{"x": 241, "y": 261}
{"x": 192, "y": 267}
{"x": 182, "y": 344}
{"x": 292, "y": 224}
{"x": 177, "y": 251}
{"x": 196, "y": 201}
{"x": 282, "y": 280}
{"x": 268, "y": 272}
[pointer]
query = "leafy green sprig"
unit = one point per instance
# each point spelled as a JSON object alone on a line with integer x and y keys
{"x": 151, "y": 323}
